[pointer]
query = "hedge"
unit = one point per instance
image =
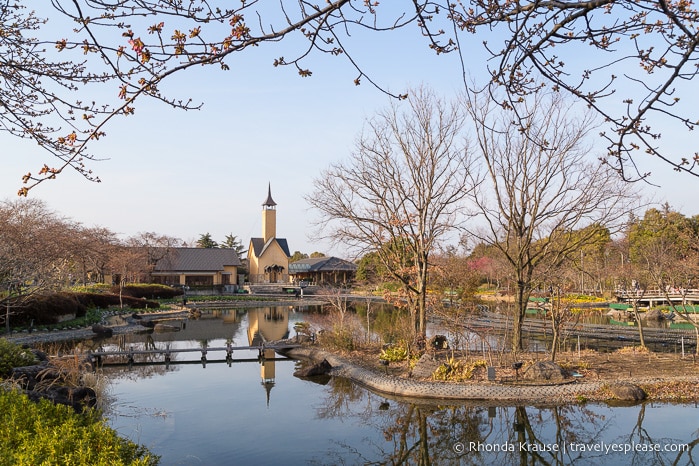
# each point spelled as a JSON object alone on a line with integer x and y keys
{"x": 147, "y": 290}
{"x": 47, "y": 309}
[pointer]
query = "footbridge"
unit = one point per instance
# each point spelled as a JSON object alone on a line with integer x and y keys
{"x": 168, "y": 355}
{"x": 657, "y": 297}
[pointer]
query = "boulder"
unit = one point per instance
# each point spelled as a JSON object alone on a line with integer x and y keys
{"x": 322, "y": 368}
{"x": 545, "y": 371}
{"x": 164, "y": 328}
{"x": 77, "y": 398}
{"x": 653, "y": 315}
{"x": 625, "y": 391}
{"x": 29, "y": 376}
{"x": 426, "y": 366}
{"x": 102, "y": 331}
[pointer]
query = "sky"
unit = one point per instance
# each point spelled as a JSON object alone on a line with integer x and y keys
{"x": 183, "y": 174}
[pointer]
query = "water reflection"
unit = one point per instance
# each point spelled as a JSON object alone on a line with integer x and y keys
{"x": 468, "y": 434}
{"x": 219, "y": 415}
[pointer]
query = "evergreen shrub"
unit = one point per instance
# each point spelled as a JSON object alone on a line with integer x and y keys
{"x": 147, "y": 290}
{"x": 13, "y": 355}
{"x": 47, "y": 433}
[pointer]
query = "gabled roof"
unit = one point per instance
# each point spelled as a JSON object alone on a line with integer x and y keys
{"x": 197, "y": 260}
{"x": 322, "y": 264}
{"x": 259, "y": 246}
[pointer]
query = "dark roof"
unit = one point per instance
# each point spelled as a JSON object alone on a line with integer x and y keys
{"x": 269, "y": 201}
{"x": 322, "y": 264}
{"x": 259, "y": 246}
{"x": 197, "y": 259}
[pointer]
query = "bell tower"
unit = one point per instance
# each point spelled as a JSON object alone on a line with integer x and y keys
{"x": 269, "y": 216}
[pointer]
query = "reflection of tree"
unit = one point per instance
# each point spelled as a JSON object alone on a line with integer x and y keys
{"x": 427, "y": 435}
{"x": 559, "y": 425}
{"x": 685, "y": 457}
{"x": 639, "y": 435}
{"x": 338, "y": 403}
{"x": 413, "y": 434}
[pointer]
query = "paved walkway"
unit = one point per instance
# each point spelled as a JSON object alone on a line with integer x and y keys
{"x": 402, "y": 387}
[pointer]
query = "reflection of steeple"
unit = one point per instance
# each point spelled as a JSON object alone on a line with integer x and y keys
{"x": 268, "y": 371}
{"x": 267, "y": 325}
{"x": 268, "y": 388}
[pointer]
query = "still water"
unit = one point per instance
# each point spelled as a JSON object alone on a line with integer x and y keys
{"x": 253, "y": 413}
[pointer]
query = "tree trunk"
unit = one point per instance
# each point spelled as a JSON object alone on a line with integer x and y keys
{"x": 519, "y": 314}
{"x": 640, "y": 325}
{"x": 554, "y": 341}
{"x": 421, "y": 317}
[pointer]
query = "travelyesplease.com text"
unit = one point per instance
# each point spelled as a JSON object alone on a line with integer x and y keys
{"x": 573, "y": 447}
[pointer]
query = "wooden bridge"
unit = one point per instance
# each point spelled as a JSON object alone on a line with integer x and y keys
{"x": 133, "y": 356}
{"x": 651, "y": 298}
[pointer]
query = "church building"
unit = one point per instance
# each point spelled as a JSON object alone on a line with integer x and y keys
{"x": 268, "y": 257}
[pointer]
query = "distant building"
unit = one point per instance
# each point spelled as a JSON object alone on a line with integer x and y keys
{"x": 323, "y": 271}
{"x": 197, "y": 267}
{"x": 268, "y": 257}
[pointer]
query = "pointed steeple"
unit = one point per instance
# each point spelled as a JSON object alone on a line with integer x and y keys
{"x": 269, "y": 203}
{"x": 269, "y": 216}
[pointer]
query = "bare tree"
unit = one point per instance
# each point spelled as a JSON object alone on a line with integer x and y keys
{"x": 629, "y": 61}
{"x": 134, "y": 47}
{"x": 541, "y": 191}
{"x": 400, "y": 191}
{"x": 32, "y": 255}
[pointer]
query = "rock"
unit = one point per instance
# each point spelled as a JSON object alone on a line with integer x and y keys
{"x": 425, "y": 366}
{"x": 164, "y": 328}
{"x": 102, "y": 331}
{"x": 322, "y": 368}
{"x": 617, "y": 315}
{"x": 545, "y": 371}
{"x": 77, "y": 398}
{"x": 625, "y": 391}
{"x": 653, "y": 314}
{"x": 28, "y": 376}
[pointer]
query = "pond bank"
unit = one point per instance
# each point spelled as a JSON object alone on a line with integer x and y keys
{"x": 122, "y": 322}
{"x": 680, "y": 388}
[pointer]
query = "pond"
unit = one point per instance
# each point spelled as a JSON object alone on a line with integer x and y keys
{"x": 259, "y": 413}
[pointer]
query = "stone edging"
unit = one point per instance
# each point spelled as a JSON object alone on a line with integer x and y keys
{"x": 400, "y": 387}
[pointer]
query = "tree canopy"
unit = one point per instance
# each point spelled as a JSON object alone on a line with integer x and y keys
{"x": 206, "y": 241}
{"x": 638, "y": 58}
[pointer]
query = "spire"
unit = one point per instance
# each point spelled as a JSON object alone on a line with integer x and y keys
{"x": 269, "y": 202}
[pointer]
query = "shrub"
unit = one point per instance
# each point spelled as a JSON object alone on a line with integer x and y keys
{"x": 147, "y": 290}
{"x": 94, "y": 288}
{"x": 46, "y": 433}
{"x": 395, "y": 353}
{"x": 339, "y": 339}
{"x": 46, "y": 309}
{"x": 13, "y": 355}
{"x": 455, "y": 370}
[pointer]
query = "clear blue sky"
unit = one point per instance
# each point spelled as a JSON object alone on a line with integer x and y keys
{"x": 187, "y": 173}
